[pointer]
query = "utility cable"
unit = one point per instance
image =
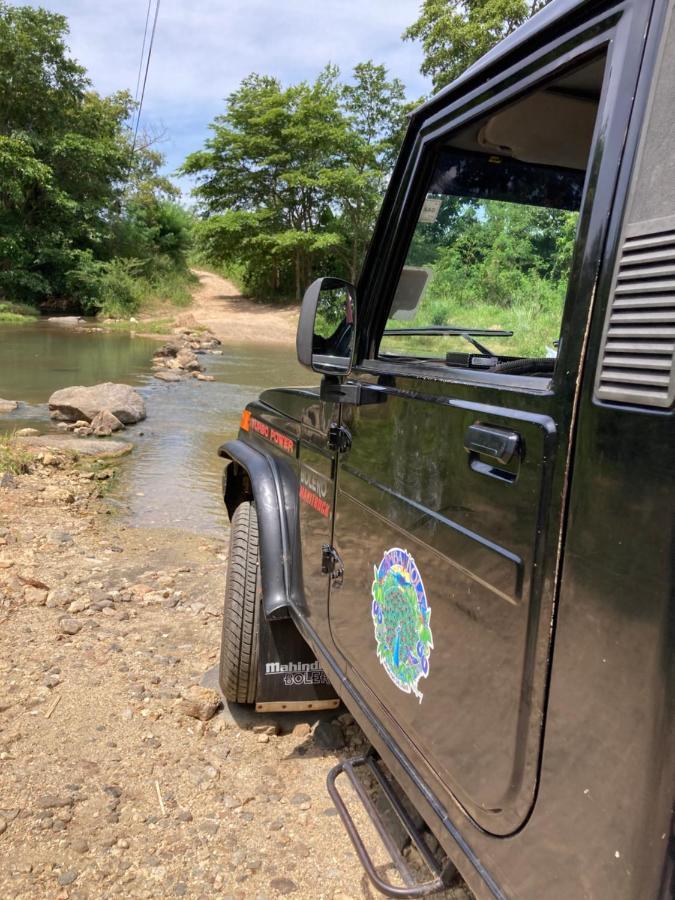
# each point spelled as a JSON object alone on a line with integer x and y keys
{"x": 140, "y": 62}
{"x": 145, "y": 77}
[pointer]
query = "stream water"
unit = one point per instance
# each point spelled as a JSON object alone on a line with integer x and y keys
{"x": 172, "y": 479}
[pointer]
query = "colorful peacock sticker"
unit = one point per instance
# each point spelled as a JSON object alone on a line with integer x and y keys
{"x": 401, "y": 617}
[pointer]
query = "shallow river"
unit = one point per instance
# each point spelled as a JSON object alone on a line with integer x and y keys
{"x": 173, "y": 476}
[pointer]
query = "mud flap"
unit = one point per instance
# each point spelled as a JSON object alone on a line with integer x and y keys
{"x": 290, "y": 678}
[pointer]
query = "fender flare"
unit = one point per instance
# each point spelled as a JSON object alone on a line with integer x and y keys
{"x": 272, "y": 484}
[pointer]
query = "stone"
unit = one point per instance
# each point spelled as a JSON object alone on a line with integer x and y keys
{"x": 27, "y": 432}
{"x": 187, "y": 360}
{"x": 66, "y": 878}
{"x": 329, "y": 736}
{"x": 66, "y": 321}
{"x": 168, "y": 375}
{"x": 67, "y": 443}
{"x": 302, "y": 729}
{"x": 8, "y": 406}
{"x": 54, "y": 801}
{"x": 79, "y": 845}
{"x": 79, "y": 605}
{"x": 283, "y": 885}
{"x": 199, "y": 703}
{"x": 71, "y": 404}
{"x": 35, "y": 596}
{"x": 68, "y": 625}
{"x": 105, "y": 423}
{"x": 7, "y": 480}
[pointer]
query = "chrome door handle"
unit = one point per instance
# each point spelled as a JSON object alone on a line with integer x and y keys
{"x": 487, "y": 440}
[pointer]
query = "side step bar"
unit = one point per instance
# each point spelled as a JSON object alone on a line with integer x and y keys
{"x": 413, "y": 888}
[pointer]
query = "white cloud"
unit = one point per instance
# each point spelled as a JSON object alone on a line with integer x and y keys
{"x": 203, "y": 48}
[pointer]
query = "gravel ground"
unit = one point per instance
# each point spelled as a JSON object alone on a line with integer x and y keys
{"x": 108, "y": 787}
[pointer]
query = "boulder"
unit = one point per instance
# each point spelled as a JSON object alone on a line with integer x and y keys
{"x": 7, "y": 406}
{"x": 66, "y": 321}
{"x": 71, "y": 404}
{"x": 105, "y": 423}
{"x": 27, "y": 432}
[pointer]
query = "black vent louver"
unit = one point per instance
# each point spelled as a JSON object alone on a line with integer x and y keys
{"x": 638, "y": 350}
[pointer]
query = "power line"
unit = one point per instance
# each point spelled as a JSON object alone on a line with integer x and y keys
{"x": 140, "y": 62}
{"x": 145, "y": 77}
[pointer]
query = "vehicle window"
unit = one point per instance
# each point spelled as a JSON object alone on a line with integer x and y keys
{"x": 487, "y": 269}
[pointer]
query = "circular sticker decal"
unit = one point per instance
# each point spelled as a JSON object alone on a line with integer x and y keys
{"x": 401, "y": 617}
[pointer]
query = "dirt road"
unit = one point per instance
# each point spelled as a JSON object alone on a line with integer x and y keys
{"x": 108, "y": 787}
{"x": 234, "y": 319}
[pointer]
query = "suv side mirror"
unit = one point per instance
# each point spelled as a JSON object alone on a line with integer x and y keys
{"x": 327, "y": 327}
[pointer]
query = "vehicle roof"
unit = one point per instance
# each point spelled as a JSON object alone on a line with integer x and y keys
{"x": 546, "y": 17}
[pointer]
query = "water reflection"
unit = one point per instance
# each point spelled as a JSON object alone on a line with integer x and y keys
{"x": 173, "y": 477}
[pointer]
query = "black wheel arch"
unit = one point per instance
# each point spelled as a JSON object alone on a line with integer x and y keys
{"x": 272, "y": 484}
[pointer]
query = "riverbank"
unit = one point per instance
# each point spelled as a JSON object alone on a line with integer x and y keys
{"x": 216, "y": 304}
{"x": 219, "y": 306}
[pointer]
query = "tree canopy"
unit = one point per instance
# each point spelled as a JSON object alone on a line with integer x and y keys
{"x": 71, "y": 188}
{"x": 455, "y": 33}
{"x": 294, "y": 175}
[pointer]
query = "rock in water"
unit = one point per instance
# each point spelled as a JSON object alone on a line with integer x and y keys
{"x": 200, "y": 703}
{"x": 64, "y": 443}
{"x": 168, "y": 375}
{"x": 66, "y": 321}
{"x": 71, "y": 404}
{"x": 104, "y": 423}
{"x": 7, "y": 406}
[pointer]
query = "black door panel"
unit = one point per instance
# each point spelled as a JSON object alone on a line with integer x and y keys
{"x": 477, "y": 542}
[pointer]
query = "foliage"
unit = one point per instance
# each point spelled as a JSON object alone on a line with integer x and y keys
{"x": 13, "y": 458}
{"x": 292, "y": 177}
{"x": 73, "y": 195}
{"x": 455, "y": 33}
{"x": 496, "y": 265}
{"x": 16, "y": 313}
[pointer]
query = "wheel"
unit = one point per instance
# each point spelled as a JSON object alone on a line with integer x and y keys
{"x": 239, "y": 644}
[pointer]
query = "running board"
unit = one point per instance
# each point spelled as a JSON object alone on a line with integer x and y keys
{"x": 412, "y": 888}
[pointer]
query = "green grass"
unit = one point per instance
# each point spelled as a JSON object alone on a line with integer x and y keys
{"x": 172, "y": 288}
{"x": 16, "y": 313}
{"x": 13, "y": 458}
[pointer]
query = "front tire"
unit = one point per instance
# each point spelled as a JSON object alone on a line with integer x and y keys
{"x": 239, "y": 644}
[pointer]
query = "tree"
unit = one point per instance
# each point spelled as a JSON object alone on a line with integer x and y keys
{"x": 292, "y": 177}
{"x": 455, "y": 33}
{"x": 69, "y": 182}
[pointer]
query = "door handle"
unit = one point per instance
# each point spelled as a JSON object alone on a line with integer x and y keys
{"x": 487, "y": 440}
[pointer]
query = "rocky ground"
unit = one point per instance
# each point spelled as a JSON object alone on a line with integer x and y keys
{"x": 108, "y": 785}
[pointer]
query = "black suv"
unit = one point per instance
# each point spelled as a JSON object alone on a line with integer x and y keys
{"x": 467, "y": 533}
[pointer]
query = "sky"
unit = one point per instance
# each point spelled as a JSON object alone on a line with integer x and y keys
{"x": 204, "y": 48}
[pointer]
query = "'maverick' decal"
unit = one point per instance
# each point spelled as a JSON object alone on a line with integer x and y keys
{"x": 401, "y": 617}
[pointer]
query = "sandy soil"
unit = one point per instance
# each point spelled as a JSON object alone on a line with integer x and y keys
{"x": 108, "y": 787}
{"x": 233, "y": 318}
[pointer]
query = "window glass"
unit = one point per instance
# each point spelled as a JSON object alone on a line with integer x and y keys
{"x": 487, "y": 269}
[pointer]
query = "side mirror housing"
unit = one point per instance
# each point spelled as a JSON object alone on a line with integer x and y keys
{"x": 327, "y": 328}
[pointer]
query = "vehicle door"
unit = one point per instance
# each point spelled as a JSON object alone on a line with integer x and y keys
{"x": 449, "y": 504}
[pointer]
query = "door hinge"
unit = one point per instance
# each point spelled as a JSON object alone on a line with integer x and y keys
{"x": 339, "y": 438}
{"x": 331, "y": 564}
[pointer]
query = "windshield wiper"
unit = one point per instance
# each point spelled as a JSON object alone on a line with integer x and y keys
{"x": 469, "y": 334}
